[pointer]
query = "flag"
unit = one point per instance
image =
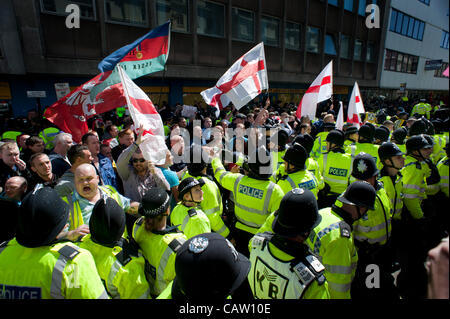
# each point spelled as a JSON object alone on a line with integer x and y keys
{"x": 148, "y": 54}
{"x": 242, "y": 82}
{"x": 71, "y": 112}
{"x": 320, "y": 90}
{"x": 143, "y": 112}
{"x": 340, "y": 118}
{"x": 445, "y": 73}
{"x": 355, "y": 107}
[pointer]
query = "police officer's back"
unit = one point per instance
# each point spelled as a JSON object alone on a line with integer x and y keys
{"x": 34, "y": 265}
{"x": 282, "y": 265}
{"x": 366, "y": 137}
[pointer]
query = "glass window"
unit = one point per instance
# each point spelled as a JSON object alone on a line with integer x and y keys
{"x": 409, "y": 68}
{"x": 405, "y": 63}
{"x": 330, "y": 47}
{"x": 421, "y": 28}
{"x": 370, "y": 54}
{"x": 348, "y": 5}
{"x": 405, "y": 25}
{"x": 292, "y": 36}
{"x": 270, "y": 31}
{"x": 59, "y": 7}
{"x": 410, "y": 27}
{"x": 444, "y": 40}
{"x": 176, "y": 10}
{"x": 362, "y": 8}
{"x": 398, "y": 26}
{"x": 242, "y": 25}
{"x": 393, "y": 61}
{"x": 127, "y": 11}
{"x": 210, "y": 18}
{"x": 416, "y": 29}
{"x": 399, "y": 62}
{"x": 393, "y": 20}
{"x": 427, "y": 2}
{"x": 358, "y": 50}
{"x": 312, "y": 39}
{"x": 333, "y": 2}
{"x": 345, "y": 46}
{"x": 415, "y": 62}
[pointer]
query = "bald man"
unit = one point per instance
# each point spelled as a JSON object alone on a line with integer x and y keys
{"x": 15, "y": 188}
{"x": 82, "y": 200}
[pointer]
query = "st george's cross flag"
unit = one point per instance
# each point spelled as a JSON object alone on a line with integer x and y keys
{"x": 320, "y": 90}
{"x": 355, "y": 107}
{"x": 144, "y": 113}
{"x": 242, "y": 82}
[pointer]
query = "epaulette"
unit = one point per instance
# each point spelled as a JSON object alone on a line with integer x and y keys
{"x": 68, "y": 251}
{"x": 261, "y": 239}
{"x": 192, "y": 212}
{"x": 309, "y": 269}
{"x": 176, "y": 243}
{"x": 345, "y": 229}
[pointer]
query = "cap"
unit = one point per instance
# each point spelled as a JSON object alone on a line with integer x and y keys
{"x": 382, "y": 133}
{"x": 107, "y": 222}
{"x": 359, "y": 193}
{"x": 42, "y": 216}
{"x": 154, "y": 202}
{"x": 280, "y": 138}
{"x": 240, "y": 116}
{"x": 364, "y": 166}
{"x": 417, "y": 142}
{"x": 185, "y": 185}
{"x": 336, "y": 137}
{"x": 387, "y": 150}
{"x": 296, "y": 155}
{"x": 329, "y": 125}
{"x": 288, "y": 222}
{"x": 400, "y": 134}
{"x": 305, "y": 140}
{"x": 208, "y": 267}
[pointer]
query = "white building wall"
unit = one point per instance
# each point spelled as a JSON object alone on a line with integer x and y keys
{"x": 436, "y": 19}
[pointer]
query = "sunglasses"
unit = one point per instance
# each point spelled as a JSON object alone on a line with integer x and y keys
{"x": 138, "y": 160}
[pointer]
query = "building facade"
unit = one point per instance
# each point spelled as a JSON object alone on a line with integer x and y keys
{"x": 38, "y": 50}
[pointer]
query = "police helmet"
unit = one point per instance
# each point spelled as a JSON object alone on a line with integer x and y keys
{"x": 329, "y": 126}
{"x": 259, "y": 163}
{"x": 367, "y": 132}
{"x": 399, "y": 135}
{"x": 336, "y": 137}
{"x": 208, "y": 267}
{"x": 350, "y": 130}
{"x": 359, "y": 193}
{"x": 107, "y": 222}
{"x": 196, "y": 162}
{"x": 42, "y": 216}
{"x": 280, "y": 138}
{"x": 417, "y": 142}
{"x": 382, "y": 133}
{"x": 387, "y": 150}
{"x": 288, "y": 222}
{"x": 418, "y": 127}
{"x": 154, "y": 202}
{"x": 296, "y": 155}
{"x": 305, "y": 140}
{"x": 364, "y": 166}
{"x": 186, "y": 185}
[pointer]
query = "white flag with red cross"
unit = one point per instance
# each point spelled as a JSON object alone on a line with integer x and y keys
{"x": 340, "y": 118}
{"x": 242, "y": 82}
{"x": 320, "y": 90}
{"x": 144, "y": 113}
{"x": 355, "y": 107}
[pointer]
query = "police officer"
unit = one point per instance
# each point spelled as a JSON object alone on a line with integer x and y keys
{"x": 443, "y": 172}
{"x": 332, "y": 240}
{"x": 35, "y": 265}
{"x": 294, "y": 171}
{"x": 279, "y": 141}
{"x": 381, "y": 135}
{"x": 255, "y": 196}
{"x": 282, "y": 264}
{"x": 366, "y": 136}
{"x": 158, "y": 242}
{"x": 372, "y": 234}
{"x": 118, "y": 262}
{"x": 48, "y": 134}
{"x": 422, "y": 108}
{"x": 320, "y": 143}
{"x": 211, "y": 204}
{"x": 208, "y": 268}
{"x": 307, "y": 142}
{"x": 399, "y": 138}
{"x": 188, "y": 214}
{"x": 351, "y": 136}
{"x": 335, "y": 168}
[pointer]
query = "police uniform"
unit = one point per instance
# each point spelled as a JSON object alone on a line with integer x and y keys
{"x": 422, "y": 108}
{"x": 191, "y": 220}
{"x": 320, "y": 144}
{"x": 302, "y": 179}
{"x": 48, "y": 135}
{"x": 335, "y": 168}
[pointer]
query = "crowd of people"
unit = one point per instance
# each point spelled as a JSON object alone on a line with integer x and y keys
{"x": 250, "y": 204}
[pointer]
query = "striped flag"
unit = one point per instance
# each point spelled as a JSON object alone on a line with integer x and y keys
{"x": 242, "y": 82}
{"x": 320, "y": 90}
{"x": 143, "y": 112}
{"x": 355, "y": 107}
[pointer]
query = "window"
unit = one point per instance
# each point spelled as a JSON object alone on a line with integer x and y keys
{"x": 406, "y": 25}
{"x": 370, "y": 54}
{"x": 330, "y": 47}
{"x": 427, "y": 2}
{"x": 312, "y": 39}
{"x": 210, "y": 19}
{"x": 127, "y": 11}
{"x": 444, "y": 39}
{"x": 357, "y": 54}
{"x": 87, "y": 7}
{"x": 270, "y": 31}
{"x": 242, "y": 25}
{"x": 400, "y": 62}
{"x": 438, "y": 72}
{"x": 177, "y": 10}
{"x": 362, "y": 8}
{"x": 348, "y": 5}
{"x": 333, "y": 2}
{"x": 345, "y": 46}
{"x": 292, "y": 36}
